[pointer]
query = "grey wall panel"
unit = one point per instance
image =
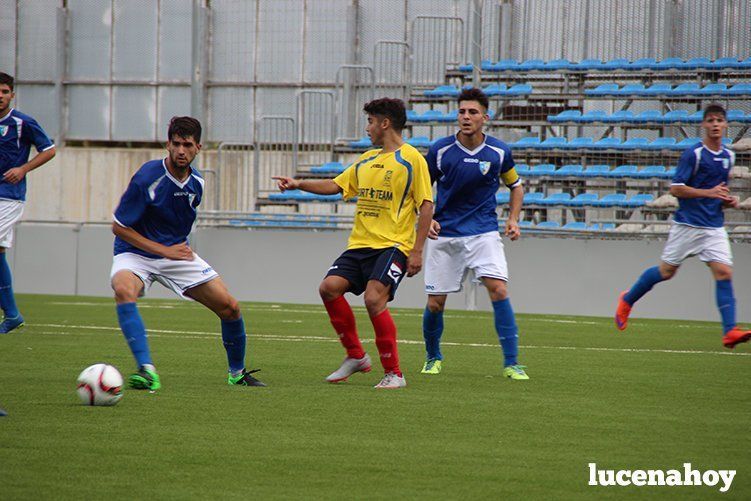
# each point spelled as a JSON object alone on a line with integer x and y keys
{"x": 94, "y": 260}
{"x": 45, "y": 259}
{"x": 90, "y": 39}
{"x": 134, "y": 51}
{"x": 233, "y": 40}
{"x": 173, "y": 101}
{"x": 88, "y": 116}
{"x": 328, "y": 39}
{"x": 230, "y": 114}
{"x": 8, "y": 36}
{"x": 37, "y": 40}
{"x": 175, "y": 21}
{"x": 134, "y": 113}
{"x": 379, "y": 20}
{"x": 280, "y": 37}
{"x": 40, "y": 101}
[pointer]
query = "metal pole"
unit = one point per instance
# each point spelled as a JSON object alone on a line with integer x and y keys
{"x": 197, "y": 77}
{"x": 476, "y": 41}
{"x": 62, "y": 48}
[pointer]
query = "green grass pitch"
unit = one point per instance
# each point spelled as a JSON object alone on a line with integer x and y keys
{"x": 658, "y": 395}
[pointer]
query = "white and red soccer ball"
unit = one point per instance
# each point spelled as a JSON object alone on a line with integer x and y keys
{"x": 100, "y": 384}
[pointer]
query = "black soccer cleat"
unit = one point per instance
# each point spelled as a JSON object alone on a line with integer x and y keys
{"x": 244, "y": 379}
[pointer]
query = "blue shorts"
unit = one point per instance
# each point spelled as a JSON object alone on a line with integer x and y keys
{"x": 359, "y": 266}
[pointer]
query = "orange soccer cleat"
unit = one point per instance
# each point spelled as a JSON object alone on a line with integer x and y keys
{"x": 735, "y": 336}
{"x": 622, "y": 312}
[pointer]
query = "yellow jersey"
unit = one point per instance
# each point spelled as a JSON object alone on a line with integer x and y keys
{"x": 389, "y": 187}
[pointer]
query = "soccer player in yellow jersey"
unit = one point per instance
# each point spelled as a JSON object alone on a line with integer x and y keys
{"x": 392, "y": 186}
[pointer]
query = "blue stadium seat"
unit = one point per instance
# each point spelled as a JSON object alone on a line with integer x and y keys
{"x": 518, "y": 90}
{"x": 607, "y": 143}
{"x": 745, "y": 64}
{"x": 695, "y": 117}
{"x": 580, "y": 143}
{"x": 582, "y": 200}
{"x": 362, "y": 143}
{"x": 616, "y": 64}
{"x": 553, "y": 143}
{"x": 532, "y": 198}
{"x": 502, "y": 197}
{"x": 467, "y": 68}
{"x": 522, "y": 169}
{"x": 442, "y": 91}
{"x": 541, "y": 170}
{"x": 740, "y": 89}
{"x": 430, "y": 116}
{"x": 413, "y": 116}
{"x": 620, "y": 116}
{"x": 648, "y": 116}
{"x": 588, "y": 65}
{"x": 651, "y": 171}
{"x": 419, "y": 141}
{"x": 557, "y": 65}
{"x": 502, "y": 65}
{"x": 328, "y": 168}
{"x": 696, "y": 63}
{"x": 526, "y": 142}
{"x": 596, "y": 171}
{"x": 671, "y": 63}
{"x": 565, "y": 116}
{"x": 570, "y": 170}
{"x": 685, "y": 89}
{"x": 604, "y": 227}
{"x": 671, "y": 172}
{"x": 531, "y": 65}
{"x": 662, "y": 143}
{"x": 634, "y": 143}
{"x": 606, "y": 89}
{"x": 686, "y": 143}
{"x": 725, "y": 63}
{"x": 556, "y": 199}
{"x": 644, "y": 63}
{"x": 526, "y": 224}
{"x": 594, "y": 116}
{"x": 631, "y": 90}
{"x": 623, "y": 171}
{"x": 610, "y": 200}
{"x": 453, "y": 115}
{"x": 494, "y": 89}
{"x": 736, "y": 116}
{"x": 675, "y": 116}
{"x": 549, "y": 225}
{"x": 714, "y": 89}
{"x": 577, "y": 226}
{"x": 657, "y": 89}
{"x": 638, "y": 200}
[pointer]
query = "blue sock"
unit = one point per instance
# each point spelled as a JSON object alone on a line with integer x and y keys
{"x": 432, "y": 329}
{"x": 726, "y": 303}
{"x": 647, "y": 280}
{"x": 7, "y": 300}
{"x": 135, "y": 332}
{"x": 505, "y": 326}
{"x": 233, "y": 336}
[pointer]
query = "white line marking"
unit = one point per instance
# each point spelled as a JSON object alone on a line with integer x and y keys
{"x": 275, "y": 337}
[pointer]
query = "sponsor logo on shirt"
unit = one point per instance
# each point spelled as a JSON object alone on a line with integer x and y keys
{"x": 374, "y": 194}
{"x": 376, "y": 166}
{"x": 471, "y": 161}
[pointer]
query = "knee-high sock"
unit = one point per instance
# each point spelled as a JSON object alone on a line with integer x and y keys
{"x": 135, "y": 332}
{"x": 432, "y": 329}
{"x": 726, "y": 303}
{"x": 505, "y": 326}
{"x": 7, "y": 300}
{"x": 343, "y": 321}
{"x": 385, "y": 332}
{"x": 233, "y": 337}
{"x": 644, "y": 284}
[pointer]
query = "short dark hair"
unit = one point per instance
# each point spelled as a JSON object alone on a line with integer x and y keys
{"x": 6, "y": 79}
{"x": 184, "y": 127}
{"x": 393, "y": 109}
{"x": 715, "y": 109}
{"x": 474, "y": 94}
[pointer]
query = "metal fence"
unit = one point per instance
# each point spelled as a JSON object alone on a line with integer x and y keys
{"x": 107, "y": 70}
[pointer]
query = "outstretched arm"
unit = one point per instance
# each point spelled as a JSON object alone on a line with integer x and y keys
{"x": 15, "y": 175}
{"x": 425, "y": 218}
{"x": 317, "y": 186}
{"x": 178, "y": 252}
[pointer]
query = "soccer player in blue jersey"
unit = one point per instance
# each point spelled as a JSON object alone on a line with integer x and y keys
{"x": 18, "y": 133}
{"x": 700, "y": 184}
{"x": 467, "y": 169}
{"x": 151, "y": 226}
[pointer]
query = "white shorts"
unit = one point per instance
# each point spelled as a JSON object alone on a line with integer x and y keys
{"x": 710, "y": 244}
{"x": 178, "y": 276}
{"x": 449, "y": 259}
{"x": 10, "y": 213}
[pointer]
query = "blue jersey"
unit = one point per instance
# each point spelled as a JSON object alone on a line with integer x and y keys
{"x": 702, "y": 168}
{"x": 467, "y": 182}
{"x": 158, "y": 206}
{"x": 18, "y": 132}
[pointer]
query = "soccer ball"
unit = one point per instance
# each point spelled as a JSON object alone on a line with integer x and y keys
{"x": 100, "y": 384}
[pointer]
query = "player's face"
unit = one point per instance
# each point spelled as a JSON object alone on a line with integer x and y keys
{"x": 472, "y": 117}
{"x": 715, "y": 126}
{"x": 376, "y": 129}
{"x": 6, "y": 96}
{"x": 182, "y": 150}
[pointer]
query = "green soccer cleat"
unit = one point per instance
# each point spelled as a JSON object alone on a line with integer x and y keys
{"x": 144, "y": 379}
{"x": 515, "y": 372}
{"x": 244, "y": 379}
{"x": 432, "y": 366}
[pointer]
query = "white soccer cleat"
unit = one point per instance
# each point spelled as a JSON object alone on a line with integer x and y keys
{"x": 349, "y": 367}
{"x": 391, "y": 381}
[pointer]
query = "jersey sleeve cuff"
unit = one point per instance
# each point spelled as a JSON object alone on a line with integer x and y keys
{"x": 47, "y": 148}
{"x": 513, "y": 185}
{"x": 677, "y": 184}
{"x": 118, "y": 222}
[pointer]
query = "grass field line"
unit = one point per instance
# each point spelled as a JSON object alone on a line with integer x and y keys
{"x": 274, "y": 337}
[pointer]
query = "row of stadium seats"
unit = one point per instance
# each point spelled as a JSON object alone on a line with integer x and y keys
{"x": 574, "y": 226}
{"x": 489, "y": 90}
{"x": 436, "y": 116}
{"x": 595, "y": 171}
{"x": 619, "y": 200}
{"x": 665, "y": 89}
{"x": 644, "y": 117}
{"x": 647, "y": 63}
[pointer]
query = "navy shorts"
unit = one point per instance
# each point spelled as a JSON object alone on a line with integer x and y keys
{"x": 358, "y": 266}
